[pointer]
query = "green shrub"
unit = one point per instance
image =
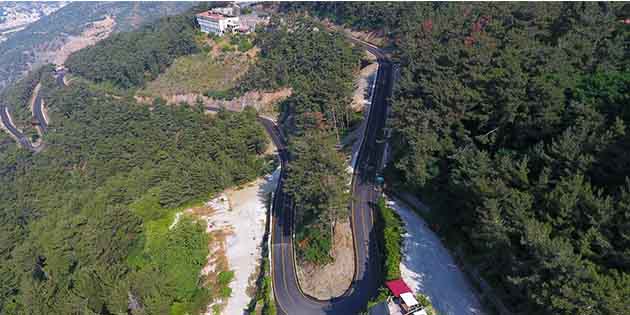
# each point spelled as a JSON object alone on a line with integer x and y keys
{"x": 242, "y": 42}
{"x": 269, "y": 307}
{"x": 391, "y": 227}
{"x": 383, "y": 294}
{"x": 426, "y": 303}
{"x": 314, "y": 245}
{"x": 222, "y": 95}
{"x": 245, "y": 45}
{"x": 227, "y": 48}
{"x": 223, "y": 280}
{"x": 225, "y": 277}
{"x": 225, "y": 292}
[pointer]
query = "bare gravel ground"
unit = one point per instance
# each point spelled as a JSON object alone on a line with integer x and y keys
{"x": 239, "y": 216}
{"x": 429, "y": 268}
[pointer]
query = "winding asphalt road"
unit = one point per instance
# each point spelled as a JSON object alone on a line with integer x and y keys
{"x": 367, "y": 277}
{"x": 22, "y": 140}
{"x": 38, "y": 115}
{"x": 367, "y": 274}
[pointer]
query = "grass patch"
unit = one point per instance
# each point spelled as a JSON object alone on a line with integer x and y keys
{"x": 223, "y": 280}
{"x": 197, "y": 73}
{"x": 157, "y": 220}
{"x": 314, "y": 245}
{"x": 179, "y": 254}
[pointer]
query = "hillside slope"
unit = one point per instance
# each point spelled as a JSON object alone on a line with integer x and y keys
{"x": 86, "y": 225}
{"x": 31, "y": 46}
{"x": 511, "y": 121}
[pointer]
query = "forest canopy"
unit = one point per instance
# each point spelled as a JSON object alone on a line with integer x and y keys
{"x": 511, "y": 119}
{"x": 85, "y": 223}
{"x": 319, "y": 66}
{"x": 133, "y": 58}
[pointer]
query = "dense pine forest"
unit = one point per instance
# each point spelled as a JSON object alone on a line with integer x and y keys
{"x": 132, "y": 59}
{"x": 84, "y": 225}
{"x": 511, "y": 121}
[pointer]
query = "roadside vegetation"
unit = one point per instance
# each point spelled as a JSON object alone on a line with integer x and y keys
{"x": 85, "y": 223}
{"x": 197, "y": 74}
{"x": 390, "y": 229}
{"x": 319, "y": 67}
{"x": 514, "y": 116}
{"x": 264, "y": 302}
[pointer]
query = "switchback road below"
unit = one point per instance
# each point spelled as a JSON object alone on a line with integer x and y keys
{"x": 367, "y": 277}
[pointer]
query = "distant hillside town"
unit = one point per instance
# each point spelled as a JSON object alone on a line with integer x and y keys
{"x": 233, "y": 18}
{"x": 15, "y": 16}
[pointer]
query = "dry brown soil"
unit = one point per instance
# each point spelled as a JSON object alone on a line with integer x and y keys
{"x": 258, "y": 100}
{"x": 332, "y": 280}
{"x": 91, "y": 35}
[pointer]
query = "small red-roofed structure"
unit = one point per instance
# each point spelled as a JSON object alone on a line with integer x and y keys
{"x": 397, "y": 287}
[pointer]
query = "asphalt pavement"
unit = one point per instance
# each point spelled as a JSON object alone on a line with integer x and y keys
{"x": 17, "y": 134}
{"x": 38, "y": 115}
{"x": 368, "y": 276}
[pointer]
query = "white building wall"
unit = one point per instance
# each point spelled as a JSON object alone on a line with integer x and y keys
{"x": 218, "y": 27}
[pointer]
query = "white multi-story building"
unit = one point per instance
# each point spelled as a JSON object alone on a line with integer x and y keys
{"x": 217, "y": 24}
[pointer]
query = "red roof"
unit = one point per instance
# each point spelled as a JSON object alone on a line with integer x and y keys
{"x": 397, "y": 287}
{"x": 211, "y": 15}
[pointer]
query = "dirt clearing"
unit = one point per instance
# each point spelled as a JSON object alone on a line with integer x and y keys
{"x": 95, "y": 32}
{"x": 235, "y": 220}
{"x": 332, "y": 280}
{"x": 198, "y": 74}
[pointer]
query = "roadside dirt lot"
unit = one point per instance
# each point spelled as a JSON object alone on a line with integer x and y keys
{"x": 429, "y": 268}
{"x": 236, "y": 223}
